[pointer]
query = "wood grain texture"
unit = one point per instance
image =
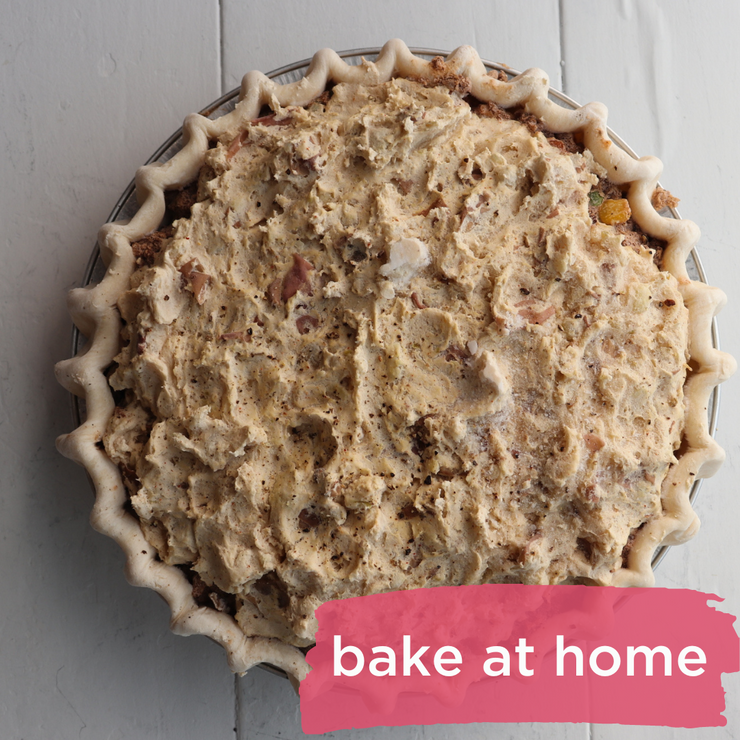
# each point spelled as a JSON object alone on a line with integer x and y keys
{"x": 501, "y": 31}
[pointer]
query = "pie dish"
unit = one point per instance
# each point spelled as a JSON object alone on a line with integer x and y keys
{"x": 358, "y": 362}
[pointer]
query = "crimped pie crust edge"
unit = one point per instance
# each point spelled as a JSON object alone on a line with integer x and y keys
{"x": 94, "y": 311}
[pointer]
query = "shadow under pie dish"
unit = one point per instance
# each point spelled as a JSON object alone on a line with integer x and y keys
{"x": 398, "y": 324}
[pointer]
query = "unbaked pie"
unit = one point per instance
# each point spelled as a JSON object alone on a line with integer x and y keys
{"x": 402, "y": 324}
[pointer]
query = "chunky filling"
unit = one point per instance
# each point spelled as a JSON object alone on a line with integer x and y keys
{"x": 399, "y": 342}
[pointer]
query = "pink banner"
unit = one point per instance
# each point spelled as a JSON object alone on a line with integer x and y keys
{"x": 511, "y": 653}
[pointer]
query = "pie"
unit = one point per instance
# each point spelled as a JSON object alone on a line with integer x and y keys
{"x": 398, "y": 325}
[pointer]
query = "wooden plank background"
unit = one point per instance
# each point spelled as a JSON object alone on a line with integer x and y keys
{"x": 89, "y": 90}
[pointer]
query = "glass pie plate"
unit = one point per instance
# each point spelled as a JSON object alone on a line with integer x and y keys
{"x": 127, "y": 205}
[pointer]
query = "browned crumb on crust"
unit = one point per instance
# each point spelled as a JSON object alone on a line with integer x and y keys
{"x": 628, "y": 547}
{"x": 148, "y": 247}
{"x": 657, "y": 246}
{"x": 442, "y": 76}
{"x": 567, "y": 142}
{"x": 608, "y": 189}
{"x": 490, "y": 110}
{"x": 179, "y": 202}
{"x": 633, "y": 236}
{"x": 499, "y": 74}
{"x": 205, "y": 595}
{"x": 663, "y": 199}
{"x": 534, "y": 125}
{"x": 130, "y": 479}
{"x": 324, "y": 98}
{"x": 319, "y": 103}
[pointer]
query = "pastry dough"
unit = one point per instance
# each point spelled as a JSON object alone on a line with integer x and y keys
{"x": 391, "y": 349}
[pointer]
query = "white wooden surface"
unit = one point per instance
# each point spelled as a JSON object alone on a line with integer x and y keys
{"x": 88, "y": 90}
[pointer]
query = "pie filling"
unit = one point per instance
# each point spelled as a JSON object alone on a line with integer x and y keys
{"x": 402, "y": 339}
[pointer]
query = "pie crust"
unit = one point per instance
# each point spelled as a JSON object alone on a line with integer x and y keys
{"x": 95, "y": 311}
